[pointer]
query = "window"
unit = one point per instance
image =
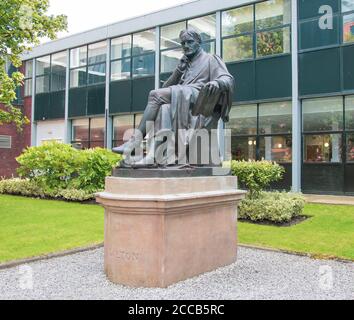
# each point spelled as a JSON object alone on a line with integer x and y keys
{"x": 121, "y": 49}
{"x": 348, "y": 28}
{"x": 28, "y": 78}
{"x": 143, "y": 50}
{"x": 120, "y": 69}
{"x": 273, "y": 42}
{"x": 120, "y": 125}
{"x": 206, "y": 26}
{"x": 323, "y": 114}
{"x": 350, "y": 148}
{"x": 88, "y": 133}
{"x": 323, "y": 148}
{"x": 347, "y": 5}
{"x": 58, "y": 71}
{"x": 349, "y": 112}
{"x": 262, "y": 131}
{"x": 43, "y": 74}
{"x": 78, "y": 57}
{"x": 5, "y": 142}
{"x": 170, "y": 59}
{"x": 238, "y": 33}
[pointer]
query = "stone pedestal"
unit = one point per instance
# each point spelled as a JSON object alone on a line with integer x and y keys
{"x": 159, "y": 231}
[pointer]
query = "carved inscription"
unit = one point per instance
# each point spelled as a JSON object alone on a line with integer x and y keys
{"x": 124, "y": 256}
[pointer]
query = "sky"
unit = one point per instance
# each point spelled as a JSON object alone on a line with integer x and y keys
{"x": 84, "y": 15}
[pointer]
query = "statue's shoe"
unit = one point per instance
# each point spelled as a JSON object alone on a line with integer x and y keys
{"x": 127, "y": 147}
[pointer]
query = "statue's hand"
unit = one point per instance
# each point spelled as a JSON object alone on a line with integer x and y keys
{"x": 183, "y": 63}
{"x": 212, "y": 87}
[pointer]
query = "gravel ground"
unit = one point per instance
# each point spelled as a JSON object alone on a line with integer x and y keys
{"x": 258, "y": 274}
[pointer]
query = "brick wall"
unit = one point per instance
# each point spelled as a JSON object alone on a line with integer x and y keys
{"x": 8, "y": 164}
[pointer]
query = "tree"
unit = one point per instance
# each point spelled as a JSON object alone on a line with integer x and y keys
{"x": 22, "y": 24}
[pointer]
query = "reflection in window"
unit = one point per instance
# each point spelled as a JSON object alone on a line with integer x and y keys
{"x": 144, "y": 65}
{"x": 206, "y": 26}
{"x": 348, "y": 28}
{"x": 349, "y": 112}
{"x": 97, "y": 126}
{"x": 43, "y": 65}
{"x": 77, "y": 77}
{"x": 237, "y": 21}
{"x": 29, "y": 69}
{"x": 243, "y": 120}
{"x": 121, "y": 47}
{"x": 347, "y": 5}
{"x": 97, "y": 73}
{"x": 80, "y": 133}
{"x": 273, "y": 42}
{"x": 243, "y": 148}
{"x": 276, "y": 148}
{"x": 350, "y": 148}
{"x": 275, "y": 118}
{"x": 120, "y": 125}
{"x": 78, "y": 57}
{"x": 170, "y": 59}
{"x": 28, "y": 87}
{"x": 97, "y": 52}
{"x": 323, "y": 148}
{"x": 273, "y": 13}
{"x": 209, "y": 47}
{"x": 323, "y": 114}
{"x": 120, "y": 69}
{"x": 170, "y": 35}
{"x": 58, "y": 71}
{"x": 42, "y": 84}
{"x": 144, "y": 42}
{"x": 238, "y": 48}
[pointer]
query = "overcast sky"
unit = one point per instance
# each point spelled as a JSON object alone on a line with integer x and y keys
{"x": 88, "y": 14}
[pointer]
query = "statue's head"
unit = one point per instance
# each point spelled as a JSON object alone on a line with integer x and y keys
{"x": 190, "y": 41}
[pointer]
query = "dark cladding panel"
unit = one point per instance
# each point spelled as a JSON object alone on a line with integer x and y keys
{"x": 120, "y": 96}
{"x": 348, "y": 67}
{"x": 141, "y": 90}
{"x": 77, "y": 102}
{"x": 57, "y": 105}
{"x": 96, "y": 100}
{"x": 320, "y": 72}
{"x": 311, "y": 8}
{"x": 244, "y": 75}
{"x": 273, "y": 77}
{"x": 42, "y": 106}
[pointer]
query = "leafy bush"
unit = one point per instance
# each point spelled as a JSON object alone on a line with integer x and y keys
{"x": 256, "y": 175}
{"x": 28, "y": 188}
{"x": 277, "y": 207}
{"x": 56, "y": 166}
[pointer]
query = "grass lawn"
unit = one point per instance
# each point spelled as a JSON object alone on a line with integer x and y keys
{"x": 329, "y": 233}
{"x": 32, "y": 227}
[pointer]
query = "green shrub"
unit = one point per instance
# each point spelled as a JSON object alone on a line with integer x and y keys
{"x": 256, "y": 175}
{"x": 23, "y": 187}
{"x": 75, "y": 195}
{"x": 277, "y": 207}
{"x": 56, "y": 166}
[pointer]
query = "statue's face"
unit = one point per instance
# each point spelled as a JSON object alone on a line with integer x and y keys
{"x": 189, "y": 45}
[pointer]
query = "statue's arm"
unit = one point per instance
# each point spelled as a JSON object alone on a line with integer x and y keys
{"x": 173, "y": 79}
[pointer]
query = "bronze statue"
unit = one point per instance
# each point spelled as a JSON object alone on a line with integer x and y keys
{"x": 196, "y": 96}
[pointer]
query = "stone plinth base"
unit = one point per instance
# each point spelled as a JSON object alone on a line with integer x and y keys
{"x": 159, "y": 231}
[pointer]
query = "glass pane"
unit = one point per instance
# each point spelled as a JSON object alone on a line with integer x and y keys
{"x": 144, "y": 42}
{"x": 28, "y": 87}
{"x": 278, "y": 148}
{"x": 78, "y": 77}
{"x": 121, "y": 47}
{"x": 323, "y": 114}
{"x": 29, "y": 69}
{"x": 97, "y": 52}
{"x": 120, "y": 69}
{"x": 237, "y": 21}
{"x": 275, "y": 118}
{"x": 239, "y": 48}
{"x": 348, "y": 28}
{"x": 144, "y": 65}
{"x": 350, "y": 148}
{"x": 42, "y": 84}
{"x": 96, "y": 73}
{"x": 349, "y": 112}
{"x": 78, "y": 57}
{"x": 243, "y": 148}
{"x": 273, "y": 13}
{"x": 170, "y": 59}
{"x": 58, "y": 71}
{"x": 347, "y": 5}
{"x": 323, "y": 148}
{"x": 206, "y": 26}
{"x": 43, "y": 65}
{"x": 138, "y": 118}
{"x": 170, "y": 35}
{"x": 97, "y": 130}
{"x": 120, "y": 125}
{"x": 80, "y": 130}
{"x": 273, "y": 42}
{"x": 209, "y": 47}
{"x": 243, "y": 120}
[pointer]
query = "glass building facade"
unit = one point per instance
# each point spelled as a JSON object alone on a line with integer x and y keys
{"x": 100, "y": 89}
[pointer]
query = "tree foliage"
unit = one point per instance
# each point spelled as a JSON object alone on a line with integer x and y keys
{"x": 22, "y": 24}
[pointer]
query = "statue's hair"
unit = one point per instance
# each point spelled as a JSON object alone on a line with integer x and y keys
{"x": 191, "y": 32}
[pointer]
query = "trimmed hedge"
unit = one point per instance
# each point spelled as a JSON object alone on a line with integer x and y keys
{"x": 277, "y": 207}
